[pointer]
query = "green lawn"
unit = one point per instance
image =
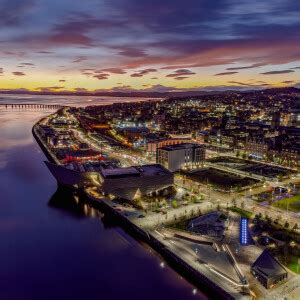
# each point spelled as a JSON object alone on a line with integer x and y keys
{"x": 292, "y": 265}
{"x": 293, "y": 203}
{"x": 242, "y": 212}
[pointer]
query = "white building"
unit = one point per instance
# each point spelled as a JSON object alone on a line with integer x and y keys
{"x": 181, "y": 156}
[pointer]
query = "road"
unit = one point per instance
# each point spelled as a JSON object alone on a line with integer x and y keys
{"x": 125, "y": 159}
{"x": 249, "y": 204}
{"x": 288, "y": 290}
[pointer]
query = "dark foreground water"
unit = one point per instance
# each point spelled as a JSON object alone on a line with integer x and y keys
{"x": 54, "y": 247}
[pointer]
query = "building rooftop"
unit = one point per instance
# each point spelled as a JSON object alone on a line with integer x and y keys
{"x": 214, "y": 218}
{"x": 268, "y": 265}
{"x": 135, "y": 171}
{"x": 180, "y": 146}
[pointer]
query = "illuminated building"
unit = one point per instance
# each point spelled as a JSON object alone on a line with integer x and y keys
{"x": 268, "y": 271}
{"x": 181, "y": 156}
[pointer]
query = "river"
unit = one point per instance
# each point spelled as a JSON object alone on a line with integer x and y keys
{"x": 55, "y": 247}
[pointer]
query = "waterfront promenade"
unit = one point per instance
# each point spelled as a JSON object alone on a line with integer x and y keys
{"x": 179, "y": 251}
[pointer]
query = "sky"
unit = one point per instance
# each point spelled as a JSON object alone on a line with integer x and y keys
{"x": 149, "y": 45}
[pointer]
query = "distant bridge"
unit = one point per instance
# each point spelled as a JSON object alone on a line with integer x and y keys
{"x": 33, "y": 106}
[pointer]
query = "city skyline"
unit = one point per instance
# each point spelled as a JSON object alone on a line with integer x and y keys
{"x": 55, "y": 46}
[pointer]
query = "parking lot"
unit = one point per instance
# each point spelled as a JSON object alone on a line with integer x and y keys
{"x": 257, "y": 168}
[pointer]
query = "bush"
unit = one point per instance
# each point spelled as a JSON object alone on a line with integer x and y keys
{"x": 174, "y": 204}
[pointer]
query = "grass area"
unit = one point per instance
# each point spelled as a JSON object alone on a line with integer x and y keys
{"x": 292, "y": 203}
{"x": 242, "y": 212}
{"x": 179, "y": 225}
{"x": 292, "y": 265}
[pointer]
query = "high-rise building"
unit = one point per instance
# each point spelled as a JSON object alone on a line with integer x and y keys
{"x": 181, "y": 156}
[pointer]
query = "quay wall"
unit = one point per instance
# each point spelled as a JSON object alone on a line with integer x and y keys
{"x": 178, "y": 264}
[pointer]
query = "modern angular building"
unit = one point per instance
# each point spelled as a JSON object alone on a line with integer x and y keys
{"x": 267, "y": 270}
{"x": 133, "y": 182}
{"x": 211, "y": 224}
{"x": 181, "y": 156}
{"x": 126, "y": 183}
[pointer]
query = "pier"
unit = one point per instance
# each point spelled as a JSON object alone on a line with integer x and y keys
{"x": 31, "y": 106}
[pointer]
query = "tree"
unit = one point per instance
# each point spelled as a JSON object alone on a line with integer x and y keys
{"x": 192, "y": 212}
{"x": 243, "y": 205}
{"x": 234, "y": 202}
{"x": 174, "y": 203}
{"x": 280, "y": 177}
{"x": 269, "y": 220}
{"x": 295, "y": 227}
{"x": 286, "y": 225}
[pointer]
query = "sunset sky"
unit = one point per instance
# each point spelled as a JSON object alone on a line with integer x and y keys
{"x": 151, "y": 45}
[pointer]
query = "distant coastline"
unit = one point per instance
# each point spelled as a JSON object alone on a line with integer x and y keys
{"x": 141, "y": 94}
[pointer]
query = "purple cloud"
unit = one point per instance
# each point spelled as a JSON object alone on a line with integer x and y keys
{"x": 181, "y": 73}
{"x": 17, "y": 73}
{"x": 101, "y": 76}
{"x": 225, "y": 73}
{"x": 277, "y": 72}
{"x": 245, "y": 67}
{"x": 79, "y": 59}
{"x": 114, "y": 70}
{"x": 141, "y": 73}
{"x": 180, "y": 78}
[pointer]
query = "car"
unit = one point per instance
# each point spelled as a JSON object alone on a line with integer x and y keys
{"x": 141, "y": 216}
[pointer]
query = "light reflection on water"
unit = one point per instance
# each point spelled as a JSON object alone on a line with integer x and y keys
{"x": 55, "y": 247}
